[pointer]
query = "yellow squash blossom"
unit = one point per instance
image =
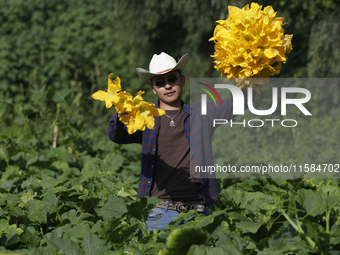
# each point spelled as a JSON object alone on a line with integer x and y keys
{"x": 137, "y": 99}
{"x": 111, "y": 95}
{"x": 250, "y": 43}
{"x": 141, "y": 117}
{"x": 140, "y": 114}
{"x": 122, "y": 102}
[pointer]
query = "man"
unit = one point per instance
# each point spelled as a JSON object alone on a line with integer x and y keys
{"x": 166, "y": 149}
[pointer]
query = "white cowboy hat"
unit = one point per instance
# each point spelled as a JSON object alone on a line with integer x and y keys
{"x": 161, "y": 64}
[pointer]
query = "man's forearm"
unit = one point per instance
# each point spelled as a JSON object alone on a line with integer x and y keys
{"x": 118, "y": 133}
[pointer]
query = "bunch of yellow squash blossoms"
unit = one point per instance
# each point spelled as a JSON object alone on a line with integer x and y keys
{"x": 250, "y": 43}
{"x": 140, "y": 114}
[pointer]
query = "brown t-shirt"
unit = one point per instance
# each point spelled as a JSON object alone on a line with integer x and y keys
{"x": 171, "y": 179}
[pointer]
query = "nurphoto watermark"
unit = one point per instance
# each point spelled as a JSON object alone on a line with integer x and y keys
{"x": 274, "y": 134}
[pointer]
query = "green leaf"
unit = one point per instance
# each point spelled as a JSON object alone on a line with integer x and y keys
{"x": 39, "y": 94}
{"x": 183, "y": 217}
{"x": 292, "y": 210}
{"x": 59, "y": 96}
{"x": 92, "y": 167}
{"x": 138, "y": 209}
{"x": 108, "y": 230}
{"x": 180, "y": 240}
{"x": 17, "y": 212}
{"x": 123, "y": 193}
{"x": 31, "y": 237}
{"x": 31, "y": 158}
{"x": 9, "y": 184}
{"x": 128, "y": 230}
{"x": 78, "y": 232}
{"x": 90, "y": 203}
{"x": 92, "y": 244}
{"x": 206, "y": 250}
{"x": 114, "y": 208}
{"x": 29, "y": 195}
{"x": 57, "y": 232}
{"x": 48, "y": 182}
{"x": 4, "y": 153}
{"x": 336, "y": 238}
{"x": 3, "y": 225}
{"x": 31, "y": 183}
{"x": 51, "y": 202}
{"x": 9, "y": 234}
{"x": 20, "y": 120}
{"x": 211, "y": 222}
{"x": 286, "y": 243}
{"x": 35, "y": 211}
{"x": 332, "y": 194}
{"x": 72, "y": 217}
{"x": 249, "y": 226}
{"x": 223, "y": 240}
{"x": 312, "y": 202}
{"x": 238, "y": 216}
{"x": 253, "y": 201}
{"x": 2, "y": 212}
{"x": 61, "y": 165}
{"x": 11, "y": 171}
{"x": 114, "y": 161}
{"x": 63, "y": 246}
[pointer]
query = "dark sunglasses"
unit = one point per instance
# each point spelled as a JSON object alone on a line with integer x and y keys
{"x": 161, "y": 82}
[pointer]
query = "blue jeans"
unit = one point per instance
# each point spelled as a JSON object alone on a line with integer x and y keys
{"x": 162, "y": 217}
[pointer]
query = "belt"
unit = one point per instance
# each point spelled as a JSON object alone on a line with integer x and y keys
{"x": 182, "y": 207}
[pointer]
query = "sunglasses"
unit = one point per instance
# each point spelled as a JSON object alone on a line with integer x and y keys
{"x": 161, "y": 82}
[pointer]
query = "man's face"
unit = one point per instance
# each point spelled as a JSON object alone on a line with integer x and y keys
{"x": 168, "y": 87}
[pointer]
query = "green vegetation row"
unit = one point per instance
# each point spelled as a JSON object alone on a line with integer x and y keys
{"x": 80, "y": 199}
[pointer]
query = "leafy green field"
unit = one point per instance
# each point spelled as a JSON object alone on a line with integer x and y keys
{"x": 66, "y": 189}
{"x": 80, "y": 198}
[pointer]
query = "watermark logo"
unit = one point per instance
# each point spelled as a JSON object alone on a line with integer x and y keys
{"x": 239, "y": 103}
{"x": 204, "y": 97}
